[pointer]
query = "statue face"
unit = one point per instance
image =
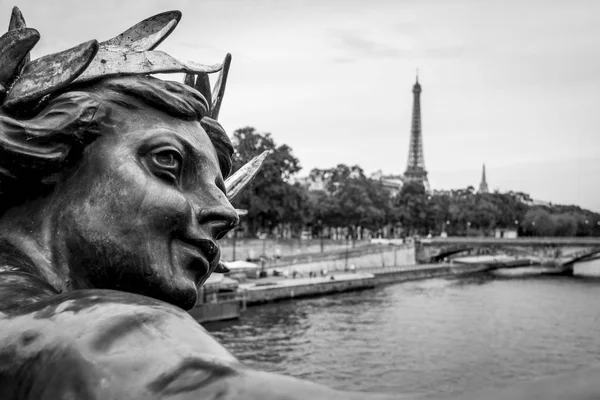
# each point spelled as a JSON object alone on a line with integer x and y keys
{"x": 143, "y": 209}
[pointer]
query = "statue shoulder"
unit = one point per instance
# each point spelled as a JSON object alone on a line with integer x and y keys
{"x": 20, "y": 289}
{"x": 101, "y": 344}
{"x": 109, "y": 344}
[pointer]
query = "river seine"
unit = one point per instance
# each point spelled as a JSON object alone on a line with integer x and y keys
{"x": 431, "y": 336}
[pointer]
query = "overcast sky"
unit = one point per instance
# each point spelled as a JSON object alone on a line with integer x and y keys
{"x": 514, "y": 84}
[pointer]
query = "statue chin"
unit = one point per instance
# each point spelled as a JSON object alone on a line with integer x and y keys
{"x": 184, "y": 298}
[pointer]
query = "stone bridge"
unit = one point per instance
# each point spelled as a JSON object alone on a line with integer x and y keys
{"x": 561, "y": 250}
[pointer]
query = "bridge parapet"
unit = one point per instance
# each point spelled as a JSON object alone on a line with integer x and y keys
{"x": 557, "y": 248}
{"x": 523, "y": 241}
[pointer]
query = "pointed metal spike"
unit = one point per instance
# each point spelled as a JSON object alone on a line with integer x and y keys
{"x": 221, "y": 269}
{"x": 147, "y": 34}
{"x": 190, "y": 80}
{"x": 16, "y": 20}
{"x": 14, "y": 48}
{"x": 203, "y": 86}
{"x": 50, "y": 73}
{"x": 242, "y": 177}
{"x": 219, "y": 89}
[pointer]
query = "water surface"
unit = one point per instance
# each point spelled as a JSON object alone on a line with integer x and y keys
{"x": 438, "y": 335}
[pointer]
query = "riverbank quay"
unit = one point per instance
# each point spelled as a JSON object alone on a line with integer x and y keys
{"x": 503, "y": 265}
{"x": 499, "y": 261}
{"x": 269, "y": 290}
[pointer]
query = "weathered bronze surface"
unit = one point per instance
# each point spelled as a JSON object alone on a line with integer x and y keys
{"x": 113, "y": 197}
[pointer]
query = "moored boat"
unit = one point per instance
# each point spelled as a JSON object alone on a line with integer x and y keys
{"x": 218, "y": 300}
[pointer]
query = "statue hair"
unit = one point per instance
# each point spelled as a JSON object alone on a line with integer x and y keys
{"x": 34, "y": 150}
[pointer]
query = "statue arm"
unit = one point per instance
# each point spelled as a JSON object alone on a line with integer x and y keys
{"x": 113, "y": 345}
{"x": 109, "y": 344}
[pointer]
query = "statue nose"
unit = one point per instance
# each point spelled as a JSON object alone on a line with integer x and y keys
{"x": 219, "y": 219}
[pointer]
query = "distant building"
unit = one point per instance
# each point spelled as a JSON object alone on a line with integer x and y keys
{"x": 392, "y": 183}
{"x": 483, "y": 186}
{"x": 506, "y": 233}
{"x": 415, "y": 169}
{"x": 534, "y": 202}
{"x": 312, "y": 184}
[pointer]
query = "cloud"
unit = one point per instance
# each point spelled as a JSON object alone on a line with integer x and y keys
{"x": 355, "y": 46}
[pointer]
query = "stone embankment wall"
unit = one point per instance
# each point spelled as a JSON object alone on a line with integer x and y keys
{"x": 372, "y": 257}
{"x": 307, "y": 288}
{"x": 243, "y": 249}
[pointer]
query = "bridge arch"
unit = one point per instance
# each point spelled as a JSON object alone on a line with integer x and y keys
{"x": 450, "y": 252}
{"x": 583, "y": 257}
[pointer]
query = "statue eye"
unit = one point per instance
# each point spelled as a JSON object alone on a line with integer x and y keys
{"x": 166, "y": 159}
{"x": 166, "y": 163}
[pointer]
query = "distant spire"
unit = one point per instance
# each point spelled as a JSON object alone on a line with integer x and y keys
{"x": 417, "y": 75}
{"x": 483, "y": 186}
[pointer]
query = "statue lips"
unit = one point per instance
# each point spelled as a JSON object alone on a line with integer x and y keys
{"x": 196, "y": 256}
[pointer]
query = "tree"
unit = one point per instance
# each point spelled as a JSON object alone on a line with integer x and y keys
{"x": 270, "y": 199}
{"x": 414, "y": 209}
{"x": 351, "y": 200}
{"x": 538, "y": 222}
{"x": 565, "y": 225}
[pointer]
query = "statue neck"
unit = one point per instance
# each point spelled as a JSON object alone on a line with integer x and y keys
{"x": 25, "y": 244}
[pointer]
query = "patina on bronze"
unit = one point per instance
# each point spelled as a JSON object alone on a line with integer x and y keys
{"x": 113, "y": 197}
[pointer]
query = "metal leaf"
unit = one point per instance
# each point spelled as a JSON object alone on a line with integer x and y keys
{"x": 203, "y": 86}
{"x": 219, "y": 89}
{"x": 50, "y": 73}
{"x": 190, "y": 80}
{"x": 16, "y": 20}
{"x": 14, "y": 47}
{"x": 242, "y": 177}
{"x": 114, "y": 63}
{"x": 147, "y": 34}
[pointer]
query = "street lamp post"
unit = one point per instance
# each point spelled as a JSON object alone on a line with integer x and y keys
{"x": 234, "y": 240}
{"x": 587, "y": 227}
{"x": 321, "y": 233}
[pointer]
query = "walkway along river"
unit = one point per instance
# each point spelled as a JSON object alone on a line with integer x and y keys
{"x": 430, "y": 336}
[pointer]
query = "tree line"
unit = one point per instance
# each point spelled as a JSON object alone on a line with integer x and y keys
{"x": 342, "y": 202}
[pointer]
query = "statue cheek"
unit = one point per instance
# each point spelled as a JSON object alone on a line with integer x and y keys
{"x": 170, "y": 212}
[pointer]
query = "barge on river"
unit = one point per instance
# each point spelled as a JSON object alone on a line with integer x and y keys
{"x": 218, "y": 300}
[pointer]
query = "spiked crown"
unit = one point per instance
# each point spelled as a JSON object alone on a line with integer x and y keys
{"x": 23, "y": 82}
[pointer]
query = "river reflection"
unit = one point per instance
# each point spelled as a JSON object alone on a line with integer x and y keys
{"x": 438, "y": 335}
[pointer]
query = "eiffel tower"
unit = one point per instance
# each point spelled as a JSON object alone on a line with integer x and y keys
{"x": 415, "y": 170}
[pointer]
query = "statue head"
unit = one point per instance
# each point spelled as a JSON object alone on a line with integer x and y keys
{"x": 124, "y": 173}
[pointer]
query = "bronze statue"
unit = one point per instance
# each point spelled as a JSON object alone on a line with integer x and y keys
{"x": 113, "y": 197}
